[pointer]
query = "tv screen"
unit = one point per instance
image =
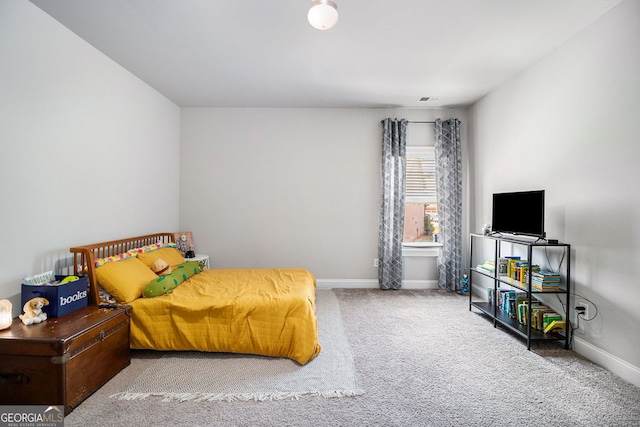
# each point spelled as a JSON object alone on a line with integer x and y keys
{"x": 519, "y": 213}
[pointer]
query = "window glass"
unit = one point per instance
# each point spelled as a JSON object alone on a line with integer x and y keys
{"x": 421, "y": 209}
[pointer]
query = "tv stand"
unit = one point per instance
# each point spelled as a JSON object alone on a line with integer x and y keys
{"x": 520, "y": 238}
{"x": 497, "y": 248}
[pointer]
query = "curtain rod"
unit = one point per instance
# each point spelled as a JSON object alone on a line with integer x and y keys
{"x": 382, "y": 121}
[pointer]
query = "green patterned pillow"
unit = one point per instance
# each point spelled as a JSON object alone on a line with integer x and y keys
{"x": 165, "y": 284}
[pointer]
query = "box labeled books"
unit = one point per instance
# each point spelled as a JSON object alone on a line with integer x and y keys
{"x": 63, "y": 298}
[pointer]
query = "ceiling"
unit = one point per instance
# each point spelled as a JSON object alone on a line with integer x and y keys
{"x": 264, "y": 53}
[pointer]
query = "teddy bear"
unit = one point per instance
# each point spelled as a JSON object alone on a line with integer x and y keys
{"x": 161, "y": 267}
{"x": 33, "y": 311}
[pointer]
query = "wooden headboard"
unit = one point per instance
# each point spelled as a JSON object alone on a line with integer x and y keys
{"x": 84, "y": 256}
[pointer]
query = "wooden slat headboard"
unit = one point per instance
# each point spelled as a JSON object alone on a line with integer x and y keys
{"x": 84, "y": 256}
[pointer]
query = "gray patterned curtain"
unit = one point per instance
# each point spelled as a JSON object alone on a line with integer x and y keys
{"x": 449, "y": 197}
{"x": 394, "y": 143}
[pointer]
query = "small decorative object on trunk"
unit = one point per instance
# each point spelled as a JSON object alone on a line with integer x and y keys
{"x": 33, "y": 311}
{"x": 5, "y": 314}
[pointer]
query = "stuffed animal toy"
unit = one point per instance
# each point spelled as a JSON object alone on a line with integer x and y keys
{"x": 5, "y": 314}
{"x": 161, "y": 267}
{"x": 33, "y": 311}
{"x": 165, "y": 284}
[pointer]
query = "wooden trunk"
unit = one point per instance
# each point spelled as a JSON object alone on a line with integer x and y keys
{"x": 63, "y": 360}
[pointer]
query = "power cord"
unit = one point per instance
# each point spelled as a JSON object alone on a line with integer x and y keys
{"x": 581, "y": 310}
{"x": 579, "y": 315}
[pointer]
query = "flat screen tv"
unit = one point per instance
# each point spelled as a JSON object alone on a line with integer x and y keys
{"x": 520, "y": 213}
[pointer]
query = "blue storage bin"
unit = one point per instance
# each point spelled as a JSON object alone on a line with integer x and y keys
{"x": 63, "y": 299}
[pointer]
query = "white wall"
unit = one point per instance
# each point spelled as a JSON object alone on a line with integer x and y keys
{"x": 289, "y": 187}
{"x": 88, "y": 152}
{"x": 570, "y": 125}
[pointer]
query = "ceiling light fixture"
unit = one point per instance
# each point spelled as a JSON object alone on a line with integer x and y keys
{"x": 323, "y": 14}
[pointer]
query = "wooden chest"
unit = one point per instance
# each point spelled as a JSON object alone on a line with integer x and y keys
{"x": 63, "y": 360}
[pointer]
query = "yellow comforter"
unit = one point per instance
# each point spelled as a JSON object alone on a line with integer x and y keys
{"x": 270, "y": 312}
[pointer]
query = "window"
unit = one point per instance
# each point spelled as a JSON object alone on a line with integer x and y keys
{"x": 420, "y": 207}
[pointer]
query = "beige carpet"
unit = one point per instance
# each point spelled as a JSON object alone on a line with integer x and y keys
{"x": 423, "y": 359}
{"x": 197, "y": 376}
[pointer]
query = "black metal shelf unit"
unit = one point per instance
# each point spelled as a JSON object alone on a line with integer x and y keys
{"x": 500, "y": 317}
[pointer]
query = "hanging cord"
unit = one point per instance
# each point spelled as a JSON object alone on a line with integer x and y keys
{"x": 546, "y": 253}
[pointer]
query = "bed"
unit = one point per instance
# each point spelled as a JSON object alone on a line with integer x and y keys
{"x": 268, "y": 312}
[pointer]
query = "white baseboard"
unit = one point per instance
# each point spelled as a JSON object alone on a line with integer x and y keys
{"x": 372, "y": 284}
{"x": 420, "y": 284}
{"x": 347, "y": 283}
{"x": 621, "y": 368}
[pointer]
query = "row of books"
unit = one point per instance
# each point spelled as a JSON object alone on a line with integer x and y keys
{"x": 518, "y": 270}
{"x": 512, "y": 267}
{"x": 506, "y": 300}
{"x": 516, "y": 305}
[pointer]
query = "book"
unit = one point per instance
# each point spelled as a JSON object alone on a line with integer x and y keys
{"x": 489, "y": 265}
{"x": 46, "y": 278}
{"x": 503, "y": 264}
{"x": 522, "y": 302}
{"x": 504, "y": 301}
{"x": 545, "y": 276}
{"x": 537, "y": 316}
{"x": 550, "y": 317}
{"x": 555, "y": 326}
{"x": 481, "y": 268}
{"x": 524, "y": 272}
{"x": 545, "y": 282}
{"x": 523, "y": 310}
{"x": 500, "y": 297}
{"x": 518, "y": 268}
{"x": 544, "y": 288}
{"x": 514, "y": 303}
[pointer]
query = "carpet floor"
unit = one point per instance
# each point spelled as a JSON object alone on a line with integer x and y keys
{"x": 200, "y": 376}
{"x": 423, "y": 359}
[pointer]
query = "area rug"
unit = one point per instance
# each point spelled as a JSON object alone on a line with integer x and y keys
{"x": 196, "y": 376}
